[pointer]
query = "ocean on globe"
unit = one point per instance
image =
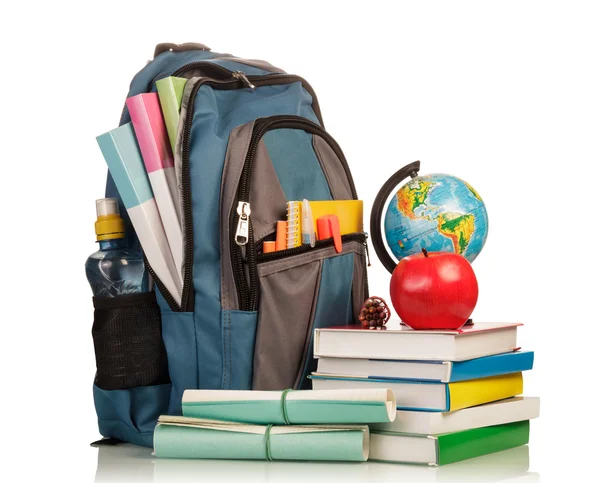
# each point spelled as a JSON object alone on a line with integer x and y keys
{"x": 438, "y": 212}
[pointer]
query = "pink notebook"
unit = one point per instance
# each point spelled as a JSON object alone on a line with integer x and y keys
{"x": 151, "y": 133}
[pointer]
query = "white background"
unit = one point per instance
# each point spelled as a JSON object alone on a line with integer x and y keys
{"x": 503, "y": 94}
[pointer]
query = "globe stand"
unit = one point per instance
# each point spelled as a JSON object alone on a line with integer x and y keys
{"x": 410, "y": 170}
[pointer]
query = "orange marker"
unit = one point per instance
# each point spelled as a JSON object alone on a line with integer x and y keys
{"x": 268, "y": 247}
{"x": 328, "y": 226}
{"x": 281, "y": 239}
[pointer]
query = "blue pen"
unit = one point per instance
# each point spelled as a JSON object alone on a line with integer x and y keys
{"x": 308, "y": 226}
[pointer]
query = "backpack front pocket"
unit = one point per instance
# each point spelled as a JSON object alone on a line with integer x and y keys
{"x": 301, "y": 290}
{"x": 271, "y": 161}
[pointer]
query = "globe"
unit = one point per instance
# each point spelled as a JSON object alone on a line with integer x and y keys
{"x": 438, "y": 212}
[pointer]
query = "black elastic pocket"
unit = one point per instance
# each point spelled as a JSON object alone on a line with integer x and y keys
{"x": 128, "y": 342}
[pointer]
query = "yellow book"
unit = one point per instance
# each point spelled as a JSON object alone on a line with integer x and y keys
{"x": 465, "y": 394}
{"x": 430, "y": 396}
{"x": 349, "y": 212}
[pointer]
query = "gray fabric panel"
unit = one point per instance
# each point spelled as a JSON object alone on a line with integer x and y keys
{"x": 267, "y": 200}
{"x": 239, "y": 140}
{"x": 287, "y": 304}
{"x": 185, "y": 99}
{"x": 333, "y": 169}
{"x": 359, "y": 284}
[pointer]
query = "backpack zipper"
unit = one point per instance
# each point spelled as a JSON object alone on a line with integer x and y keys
{"x": 241, "y": 223}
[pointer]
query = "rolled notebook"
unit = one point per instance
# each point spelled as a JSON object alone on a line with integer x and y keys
{"x": 347, "y": 406}
{"x": 181, "y": 437}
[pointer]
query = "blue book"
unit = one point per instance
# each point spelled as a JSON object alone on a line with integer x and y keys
{"x": 436, "y": 371}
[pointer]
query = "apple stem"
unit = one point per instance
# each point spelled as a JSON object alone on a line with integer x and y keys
{"x": 424, "y": 252}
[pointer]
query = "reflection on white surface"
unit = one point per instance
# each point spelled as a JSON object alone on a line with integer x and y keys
{"x": 133, "y": 464}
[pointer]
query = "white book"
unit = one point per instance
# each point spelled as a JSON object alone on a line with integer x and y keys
{"x": 400, "y": 342}
{"x": 491, "y": 414}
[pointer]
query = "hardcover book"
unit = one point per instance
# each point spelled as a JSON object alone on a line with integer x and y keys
{"x": 399, "y": 342}
{"x": 499, "y": 412}
{"x": 447, "y": 448}
{"x": 432, "y": 396}
{"x": 440, "y": 371}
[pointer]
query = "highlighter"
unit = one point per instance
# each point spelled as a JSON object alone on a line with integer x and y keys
{"x": 268, "y": 247}
{"x": 281, "y": 237}
{"x": 328, "y": 226}
{"x": 308, "y": 230}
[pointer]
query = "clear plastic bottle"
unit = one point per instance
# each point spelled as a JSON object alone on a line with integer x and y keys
{"x": 114, "y": 270}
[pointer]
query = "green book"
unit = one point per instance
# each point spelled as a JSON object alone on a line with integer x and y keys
{"x": 170, "y": 92}
{"x": 349, "y": 406}
{"x": 447, "y": 448}
{"x": 194, "y": 438}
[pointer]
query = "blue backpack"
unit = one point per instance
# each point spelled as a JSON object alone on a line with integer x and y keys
{"x": 250, "y": 138}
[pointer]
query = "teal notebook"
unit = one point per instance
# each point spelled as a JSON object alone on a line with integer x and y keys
{"x": 339, "y": 406}
{"x": 193, "y": 438}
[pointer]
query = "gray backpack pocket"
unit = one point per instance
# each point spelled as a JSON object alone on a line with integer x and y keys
{"x": 289, "y": 292}
{"x": 298, "y": 293}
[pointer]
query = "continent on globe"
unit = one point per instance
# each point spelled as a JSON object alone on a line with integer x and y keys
{"x": 412, "y": 195}
{"x": 458, "y": 227}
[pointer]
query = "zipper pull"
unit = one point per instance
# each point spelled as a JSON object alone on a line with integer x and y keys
{"x": 242, "y": 232}
{"x": 367, "y": 249}
{"x": 238, "y": 74}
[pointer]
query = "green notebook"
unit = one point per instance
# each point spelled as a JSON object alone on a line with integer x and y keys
{"x": 346, "y": 406}
{"x": 170, "y": 92}
{"x": 447, "y": 448}
{"x": 181, "y": 437}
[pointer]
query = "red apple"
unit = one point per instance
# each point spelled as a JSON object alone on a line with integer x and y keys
{"x": 435, "y": 290}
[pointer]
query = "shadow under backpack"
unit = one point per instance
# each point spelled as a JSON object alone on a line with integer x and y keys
{"x": 248, "y": 133}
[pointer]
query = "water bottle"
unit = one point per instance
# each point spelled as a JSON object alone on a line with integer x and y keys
{"x": 114, "y": 269}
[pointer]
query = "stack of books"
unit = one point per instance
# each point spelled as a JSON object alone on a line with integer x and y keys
{"x": 456, "y": 390}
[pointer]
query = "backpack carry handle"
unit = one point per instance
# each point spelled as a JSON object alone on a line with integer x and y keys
{"x": 168, "y": 46}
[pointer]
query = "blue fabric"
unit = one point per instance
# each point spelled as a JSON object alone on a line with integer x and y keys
{"x": 131, "y": 414}
{"x": 216, "y": 114}
{"x": 296, "y": 164}
{"x": 335, "y": 294}
{"x": 179, "y": 336}
{"x": 238, "y": 335}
